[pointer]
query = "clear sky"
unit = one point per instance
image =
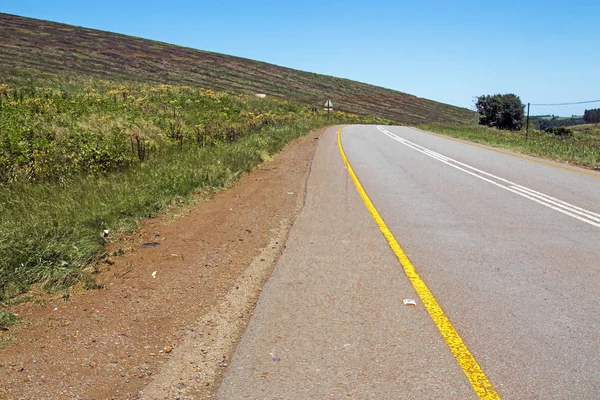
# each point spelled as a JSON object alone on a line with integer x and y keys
{"x": 450, "y": 51}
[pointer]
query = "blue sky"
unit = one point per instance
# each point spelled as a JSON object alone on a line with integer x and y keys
{"x": 450, "y": 51}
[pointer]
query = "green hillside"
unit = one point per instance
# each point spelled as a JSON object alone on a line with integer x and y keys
{"x": 48, "y": 49}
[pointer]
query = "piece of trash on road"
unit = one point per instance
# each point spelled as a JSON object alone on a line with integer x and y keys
{"x": 409, "y": 302}
{"x": 274, "y": 358}
{"x": 150, "y": 244}
{"x": 154, "y": 274}
{"x": 290, "y": 192}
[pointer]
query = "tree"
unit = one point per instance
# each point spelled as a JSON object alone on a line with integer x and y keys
{"x": 503, "y": 111}
{"x": 592, "y": 116}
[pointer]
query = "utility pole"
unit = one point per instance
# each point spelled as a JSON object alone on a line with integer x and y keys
{"x": 527, "y": 127}
{"x": 475, "y": 100}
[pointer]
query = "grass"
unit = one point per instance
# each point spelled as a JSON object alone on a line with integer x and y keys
{"x": 7, "y": 319}
{"x": 51, "y": 131}
{"x": 581, "y": 148}
{"x": 31, "y": 47}
{"x": 51, "y": 232}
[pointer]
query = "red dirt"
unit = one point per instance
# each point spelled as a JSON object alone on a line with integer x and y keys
{"x": 108, "y": 344}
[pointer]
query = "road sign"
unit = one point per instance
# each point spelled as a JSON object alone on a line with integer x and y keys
{"x": 328, "y": 107}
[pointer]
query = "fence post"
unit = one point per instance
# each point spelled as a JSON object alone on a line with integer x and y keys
{"x": 527, "y": 127}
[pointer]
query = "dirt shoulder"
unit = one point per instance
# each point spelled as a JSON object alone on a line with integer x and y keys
{"x": 171, "y": 315}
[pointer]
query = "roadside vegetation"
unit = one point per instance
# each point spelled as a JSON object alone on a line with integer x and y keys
{"x": 579, "y": 146}
{"x": 76, "y": 159}
{"x": 502, "y": 124}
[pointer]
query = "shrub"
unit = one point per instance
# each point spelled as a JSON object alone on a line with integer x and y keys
{"x": 560, "y": 131}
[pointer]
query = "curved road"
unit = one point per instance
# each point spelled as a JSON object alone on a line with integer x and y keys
{"x": 508, "y": 246}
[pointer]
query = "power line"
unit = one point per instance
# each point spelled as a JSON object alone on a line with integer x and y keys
{"x": 567, "y": 104}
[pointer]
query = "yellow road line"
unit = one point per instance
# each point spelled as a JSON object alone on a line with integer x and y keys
{"x": 464, "y": 141}
{"x": 479, "y": 381}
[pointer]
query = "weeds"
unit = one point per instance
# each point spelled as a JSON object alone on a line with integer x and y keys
{"x": 7, "y": 319}
{"x": 52, "y": 134}
{"x": 580, "y": 148}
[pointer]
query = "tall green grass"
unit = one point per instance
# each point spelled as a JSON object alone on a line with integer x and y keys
{"x": 51, "y": 232}
{"x": 50, "y": 133}
{"x": 580, "y": 148}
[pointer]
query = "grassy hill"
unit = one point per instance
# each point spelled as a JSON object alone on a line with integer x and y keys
{"x": 31, "y": 46}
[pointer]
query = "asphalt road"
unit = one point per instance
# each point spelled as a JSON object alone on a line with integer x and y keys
{"x": 509, "y": 247}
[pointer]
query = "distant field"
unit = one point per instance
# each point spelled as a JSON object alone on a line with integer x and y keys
{"x": 587, "y": 129}
{"x": 40, "y": 49}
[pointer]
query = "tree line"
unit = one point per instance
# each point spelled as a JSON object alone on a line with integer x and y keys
{"x": 545, "y": 123}
{"x": 592, "y": 116}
